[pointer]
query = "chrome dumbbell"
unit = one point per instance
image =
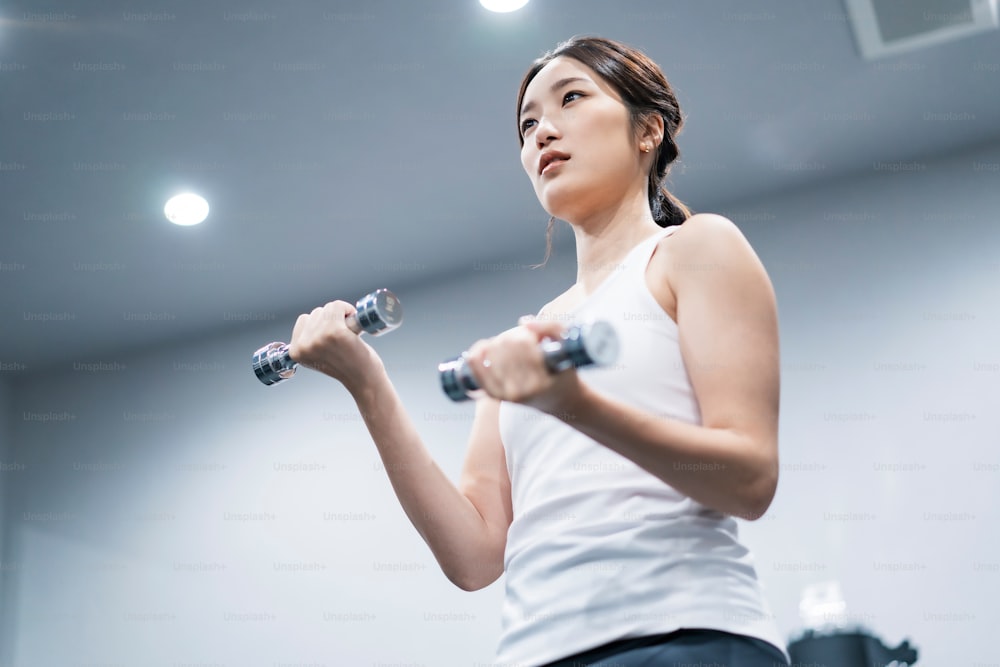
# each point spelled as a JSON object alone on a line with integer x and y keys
{"x": 377, "y": 313}
{"x": 580, "y": 345}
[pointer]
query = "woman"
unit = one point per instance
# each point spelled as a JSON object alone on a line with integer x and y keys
{"x": 607, "y": 496}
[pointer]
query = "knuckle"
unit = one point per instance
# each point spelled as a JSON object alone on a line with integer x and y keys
{"x": 301, "y": 352}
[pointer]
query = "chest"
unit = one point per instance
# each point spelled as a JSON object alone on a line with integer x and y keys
{"x": 657, "y": 280}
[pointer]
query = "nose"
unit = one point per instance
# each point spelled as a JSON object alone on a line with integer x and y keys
{"x": 545, "y": 131}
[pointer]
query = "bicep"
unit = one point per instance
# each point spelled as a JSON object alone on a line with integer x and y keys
{"x": 484, "y": 478}
{"x": 728, "y": 323}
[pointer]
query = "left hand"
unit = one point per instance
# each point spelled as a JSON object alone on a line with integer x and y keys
{"x": 511, "y": 367}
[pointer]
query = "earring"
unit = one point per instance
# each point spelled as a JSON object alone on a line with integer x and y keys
{"x": 645, "y": 148}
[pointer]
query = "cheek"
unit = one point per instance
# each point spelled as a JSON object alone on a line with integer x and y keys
{"x": 528, "y": 162}
{"x": 610, "y": 124}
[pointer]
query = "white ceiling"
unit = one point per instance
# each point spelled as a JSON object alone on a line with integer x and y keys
{"x": 350, "y": 145}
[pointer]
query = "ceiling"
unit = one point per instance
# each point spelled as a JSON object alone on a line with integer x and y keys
{"x": 357, "y": 144}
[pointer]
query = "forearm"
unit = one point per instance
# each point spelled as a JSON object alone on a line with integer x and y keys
{"x": 447, "y": 520}
{"x": 719, "y": 468}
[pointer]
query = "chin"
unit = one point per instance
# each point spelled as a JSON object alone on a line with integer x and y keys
{"x": 563, "y": 205}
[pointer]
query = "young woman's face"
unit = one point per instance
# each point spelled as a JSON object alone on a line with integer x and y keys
{"x": 568, "y": 108}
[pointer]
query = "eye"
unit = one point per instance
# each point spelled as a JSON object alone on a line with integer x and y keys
{"x": 566, "y": 98}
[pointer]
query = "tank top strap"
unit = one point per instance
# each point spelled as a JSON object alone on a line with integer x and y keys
{"x": 638, "y": 259}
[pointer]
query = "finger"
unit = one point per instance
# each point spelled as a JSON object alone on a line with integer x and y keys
{"x": 351, "y": 318}
{"x": 544, "y": 328}
{"x": 352, "y": 323}
{"x": 476, "y": 354}
{"x": 339, "y": 314}
{"x": 478, "y": 361}
{"x": 299, "y": 332}
{"x": 300, "y": 323}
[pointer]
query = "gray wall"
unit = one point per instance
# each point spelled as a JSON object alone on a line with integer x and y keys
{"x": 175, "y": 512}
{"x": 8, "y": 469}
{"x": 887, "y": 289}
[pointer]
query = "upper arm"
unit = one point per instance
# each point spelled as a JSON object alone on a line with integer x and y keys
{"x": 484, "y": 479}
{"x": 728, "y": 324}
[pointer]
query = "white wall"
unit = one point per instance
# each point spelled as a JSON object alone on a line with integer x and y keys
{"x": 887, "y": 290}
{"x": 174, "y": 511}
{"x": 162, "y": 516}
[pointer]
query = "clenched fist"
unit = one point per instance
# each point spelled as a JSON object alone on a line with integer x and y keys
{"x": 321, "y": 340}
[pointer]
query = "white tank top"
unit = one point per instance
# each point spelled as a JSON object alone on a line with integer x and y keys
{"x": 599, "y": 549}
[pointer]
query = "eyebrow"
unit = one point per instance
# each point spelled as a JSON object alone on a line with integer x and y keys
{"x": 555, "y": 86}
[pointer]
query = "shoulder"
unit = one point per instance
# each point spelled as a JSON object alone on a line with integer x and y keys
{"x": 707, "y": 259}
{"x": 705, "y": 241}
{"x": 705, "y": 229}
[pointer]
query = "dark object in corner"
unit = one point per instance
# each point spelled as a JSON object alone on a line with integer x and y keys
{"x": 847, "y": 649}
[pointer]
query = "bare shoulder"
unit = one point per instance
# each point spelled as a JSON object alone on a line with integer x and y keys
{"x": 704, "y": 230}
{"x": 706, "y": 242}
{"x": 707, "y": 249}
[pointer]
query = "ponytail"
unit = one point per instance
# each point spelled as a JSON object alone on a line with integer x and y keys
{"x": 667, "y": 209}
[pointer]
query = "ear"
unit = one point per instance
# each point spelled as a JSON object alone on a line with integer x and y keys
{"x": 652, "y": 130}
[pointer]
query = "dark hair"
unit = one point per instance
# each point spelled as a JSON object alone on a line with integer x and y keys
{"x": 645, "y": 91}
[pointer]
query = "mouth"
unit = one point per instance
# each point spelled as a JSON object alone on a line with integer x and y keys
{"x": 552, "y": 164}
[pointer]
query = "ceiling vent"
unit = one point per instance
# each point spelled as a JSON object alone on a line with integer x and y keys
{"x": 889, "y": 27}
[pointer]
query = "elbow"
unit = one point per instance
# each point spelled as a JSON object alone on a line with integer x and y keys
{"x": 462, "y": 580}
{"x": 469, "y": 583}
{"x": 761, "y": 495}
{"x": 476, "y": 577}
{"x": 754, "y": 511}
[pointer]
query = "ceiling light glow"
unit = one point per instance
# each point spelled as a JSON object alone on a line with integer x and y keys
{"x": 503, "y": 5}
{"x": 186, "y": 209}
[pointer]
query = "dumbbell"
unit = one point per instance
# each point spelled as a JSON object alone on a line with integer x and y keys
{"x": 377, "y": 313}
{"x": 594, "y": 343}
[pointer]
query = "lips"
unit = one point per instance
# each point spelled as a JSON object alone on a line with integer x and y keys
{"x": 553, "y": 164}
{"x": 550, "y": 157}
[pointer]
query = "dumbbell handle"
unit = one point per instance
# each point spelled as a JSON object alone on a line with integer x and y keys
{"x": 377, "y": 313}
{"x": 580, "y": 345}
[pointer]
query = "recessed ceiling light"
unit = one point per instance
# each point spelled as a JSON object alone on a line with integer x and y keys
{"x": 503, "y": 5}
{"x": 186, "y": 209}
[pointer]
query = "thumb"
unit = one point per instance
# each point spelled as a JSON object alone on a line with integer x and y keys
{"x": 542, "y": 328}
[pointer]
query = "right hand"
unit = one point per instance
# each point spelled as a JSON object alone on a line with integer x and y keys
{"x": 322, "y": 341}
{"x": 511, "y": 367}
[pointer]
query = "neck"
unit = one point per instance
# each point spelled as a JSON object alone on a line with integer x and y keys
{"x": 605, "y": 237}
